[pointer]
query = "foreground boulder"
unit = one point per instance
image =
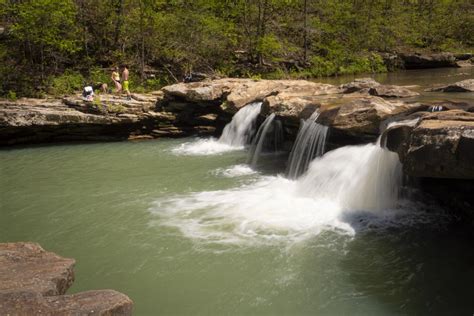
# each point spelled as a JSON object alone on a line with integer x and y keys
{"x": 26, "y": 267}
{"x": 34, "y": 281}
{"x": 461, "y": 86}
{"x": 435, "y": 145}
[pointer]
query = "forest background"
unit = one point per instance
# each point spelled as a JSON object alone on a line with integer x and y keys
{"x": 57, "y": 46}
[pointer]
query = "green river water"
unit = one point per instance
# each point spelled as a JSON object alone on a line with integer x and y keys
{"x": 120, "y": 209}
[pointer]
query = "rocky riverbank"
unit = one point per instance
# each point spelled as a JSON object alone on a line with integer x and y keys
{"x": 34, "y": 282}
{"x": 108, "y": 118}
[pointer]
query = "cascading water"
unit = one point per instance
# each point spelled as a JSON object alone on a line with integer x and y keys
{"x": 239, "y": 131}
{"x": 235, "y": 135}
{"x": 269, "y": 135}
{"x": 356, "y": 177}
{"x": 310, "y": 142}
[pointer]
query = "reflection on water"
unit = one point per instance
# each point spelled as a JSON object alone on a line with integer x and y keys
{"x": 420, "y": 80}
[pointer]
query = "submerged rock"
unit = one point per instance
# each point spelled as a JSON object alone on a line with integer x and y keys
{"x": 33, "y": 282}
{"x": 461, "y": 86}
{"x": 390, "y": 91}
{"x": 359, "y": 84}
{"x": 372, "y": 87}
{"x": 437, "y": 145}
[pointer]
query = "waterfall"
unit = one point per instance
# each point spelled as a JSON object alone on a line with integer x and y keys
{"x": 364, "y": 177}
{"x": 239, "y": 131}
{"x": 235, "y": 136}
{"x": 310, "y": 142}
{"x": 269, "y": 136}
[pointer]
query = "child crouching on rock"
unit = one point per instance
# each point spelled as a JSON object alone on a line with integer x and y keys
{"x": 88, "y": 94}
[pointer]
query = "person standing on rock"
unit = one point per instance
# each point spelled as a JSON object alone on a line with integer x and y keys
{"x": 126, "y": 87}
{"x": 116, "y": 79}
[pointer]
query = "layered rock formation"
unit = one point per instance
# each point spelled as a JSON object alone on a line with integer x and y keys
{"x": 107, "y": 118}
{"x": 34, "y": 282}
{"x": 354, "y": 110}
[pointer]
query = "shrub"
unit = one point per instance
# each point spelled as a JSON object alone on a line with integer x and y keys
{"x": 11, "y": 95}
{"x": 69, "y": 82}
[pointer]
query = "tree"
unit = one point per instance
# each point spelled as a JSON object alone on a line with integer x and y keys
{"x": 46, "y": 29}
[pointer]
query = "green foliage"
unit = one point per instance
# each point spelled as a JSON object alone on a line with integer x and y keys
{"x": 98, "y": 75}
{"x": 322, "y": 67}
{"x": 251, "y": 38}
{"x": 269, "y": 47}
{"x": 11, "y": 95}
{"x": 47, "y": 23}
{"x": 69, "y": 82}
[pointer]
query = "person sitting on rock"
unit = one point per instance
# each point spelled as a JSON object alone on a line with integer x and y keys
{"x": 88, "y": 94}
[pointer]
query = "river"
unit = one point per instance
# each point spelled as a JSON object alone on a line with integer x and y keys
{"x": 197, "y": 232}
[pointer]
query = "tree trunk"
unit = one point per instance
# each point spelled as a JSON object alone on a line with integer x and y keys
{"x": 118, "y": 22}
{"x": 142, "y": 32}
{"x": 305, "y": 31}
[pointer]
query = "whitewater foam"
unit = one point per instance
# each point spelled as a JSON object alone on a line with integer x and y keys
{"x": 267, "y": 211}
{"x": 347, "y": 190}
{"x": 235, "y": 171}
{"x": 202, "y": 147}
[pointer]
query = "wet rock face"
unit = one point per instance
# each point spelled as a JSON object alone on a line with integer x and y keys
{"x": 461, "y": 86}
{"x": 439, "y": 145}
{"x": 33, "y": 282}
